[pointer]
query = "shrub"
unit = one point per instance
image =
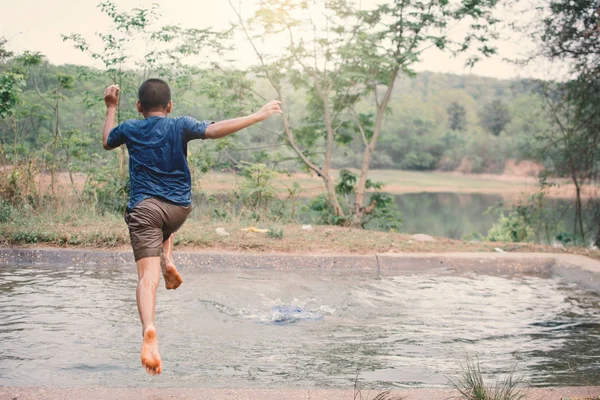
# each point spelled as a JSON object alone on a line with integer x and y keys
{"x": 275, "y": 233}
{"x": 5, "y": 211}
{"x": 511, "y": 228}
{"x": 419, "y": 160}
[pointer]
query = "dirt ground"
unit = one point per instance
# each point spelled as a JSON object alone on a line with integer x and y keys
{"x": 14, "y": 393}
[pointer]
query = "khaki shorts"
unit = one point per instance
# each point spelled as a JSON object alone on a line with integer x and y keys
{"x": 150, "y": 223}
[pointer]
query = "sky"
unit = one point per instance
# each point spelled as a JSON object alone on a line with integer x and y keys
{"x": 37, "y": 25}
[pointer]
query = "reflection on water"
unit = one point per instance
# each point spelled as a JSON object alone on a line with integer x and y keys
{"x": 79, "y": 327}
{"x": 456, "y": 215}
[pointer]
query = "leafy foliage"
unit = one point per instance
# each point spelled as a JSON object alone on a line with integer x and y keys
{"x": 383, "y": 213}
{"x": 457, "y": 117}
{"x": 510, "y": 228}
{"x": 495, "y": 116}
{"x": 571, "y": 31}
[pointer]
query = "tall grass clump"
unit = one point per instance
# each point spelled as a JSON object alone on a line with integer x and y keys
{"x": 471, "y": 385}
{"x": 275, "y": 233}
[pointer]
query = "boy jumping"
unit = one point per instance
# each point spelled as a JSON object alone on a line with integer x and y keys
{"x": 160, "y": 198}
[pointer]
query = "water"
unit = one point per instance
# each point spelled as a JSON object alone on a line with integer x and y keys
{"x": 78, "y": 326}
{"x": 458, "y": 215}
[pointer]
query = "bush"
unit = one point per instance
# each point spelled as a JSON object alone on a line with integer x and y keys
{"x": 511, "y": 228}
{"x": 385, "y": 216}
{"x": 105, "y": 188}
{"x": 5, "y": 211}
{"x": 17, "y": 185}
{"x": 419, "y": 161}
{"x": 275, "y": 233}
{"x": 325, "y": 212}
{"x": 256, "y": 190}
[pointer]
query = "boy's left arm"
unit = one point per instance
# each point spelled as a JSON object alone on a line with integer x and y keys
{"x": 229, "y": 126}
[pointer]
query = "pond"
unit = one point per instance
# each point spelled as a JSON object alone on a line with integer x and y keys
{"x": 458, "y": 215}
{"x": 78, "y": 326}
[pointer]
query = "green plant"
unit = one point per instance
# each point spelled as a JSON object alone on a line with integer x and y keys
{"x": 385, "y": 216}
{"x": 275, "y": 233}
{"x": 325, "y": 212}
{"x": 256, "y": 190}
{"x": 568, "y": 239}
{"x": 510, "y": 228}
{"x": 5, "y": 211}
{"x": 106, "y": 187}
{"x": 471, "y": 385}
{"x": 381, "y": 214}
{"x": 17, "y": 185}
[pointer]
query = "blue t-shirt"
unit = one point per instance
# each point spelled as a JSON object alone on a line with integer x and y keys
{"x": 158, "y": 156}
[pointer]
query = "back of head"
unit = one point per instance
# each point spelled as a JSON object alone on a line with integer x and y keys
{"x": 154, "y": 94}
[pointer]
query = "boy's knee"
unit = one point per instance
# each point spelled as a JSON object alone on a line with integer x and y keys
{"x": 148, "y": 283}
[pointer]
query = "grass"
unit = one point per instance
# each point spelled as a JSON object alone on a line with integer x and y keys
{"x": 471, "y": 385}
{"x": 83, "y": 227}
{"x": 395, "y": 182}
{"x": 66, "y": 221}
{"x": 275, "y": 233}
{"x": 399, "y": 182}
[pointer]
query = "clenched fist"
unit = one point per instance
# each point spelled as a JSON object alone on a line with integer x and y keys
{"x": 111, "y": 96}
{"x": 269, "y": 109}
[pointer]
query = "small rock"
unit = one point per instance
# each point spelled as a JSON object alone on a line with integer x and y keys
{"x": 420, "y": 237}
{"x": 307, "y": 227}
{"x": 499, "y": 250}
{"x": 558, "y": 245}
{"x": 221, "y": 232}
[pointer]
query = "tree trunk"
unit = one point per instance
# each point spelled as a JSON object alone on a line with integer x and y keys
{"x": 16, "y": 153}
{"x": 53, "y": 180}
{"x": 359, "y": 207}
{"x": 578, "y": 207}
{"x": 329, "y": 184}
{"x": 579, "y": 212}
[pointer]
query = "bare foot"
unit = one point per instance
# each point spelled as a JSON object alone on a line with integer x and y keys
{"x": 170, "y": 273}
{"x": 150, "y": 356}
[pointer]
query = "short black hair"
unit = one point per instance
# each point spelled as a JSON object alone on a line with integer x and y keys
{"x": 153, "y": 94}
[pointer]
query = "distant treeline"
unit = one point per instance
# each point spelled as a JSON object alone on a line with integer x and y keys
{"x": 435, "y": 121}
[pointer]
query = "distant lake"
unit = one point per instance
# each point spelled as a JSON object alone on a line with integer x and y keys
{"x": 444, "y": 214}
{"x": 456, "y": 215}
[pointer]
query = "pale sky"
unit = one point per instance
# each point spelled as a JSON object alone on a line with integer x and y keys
{"x": 37, "y": 25}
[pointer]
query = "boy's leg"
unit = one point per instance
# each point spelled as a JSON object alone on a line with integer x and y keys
{"x": 169, "y": 271}
{"x": 145, "y": 224}
{"x": 175, "y": 216}
{"x": 149, "y": 275}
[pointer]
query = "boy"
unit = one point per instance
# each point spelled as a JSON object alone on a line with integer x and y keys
{"x": 160, "y": 198}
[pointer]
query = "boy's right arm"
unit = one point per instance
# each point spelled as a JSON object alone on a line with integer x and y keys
{"x": 111, "y": 98}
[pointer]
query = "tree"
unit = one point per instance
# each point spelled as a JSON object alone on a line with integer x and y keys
{"x": 457, "y": 117}
{"x": 569, "y": 33}
{"x": 573, "y": 142}
{"x": 165, "y": 50}
{"x": 354, "y": 55}
{"x": 13, "y": 77}
{"x": 494, "y": 117}
{"x": 53, "y": 100}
